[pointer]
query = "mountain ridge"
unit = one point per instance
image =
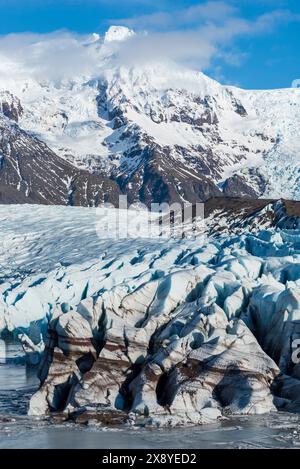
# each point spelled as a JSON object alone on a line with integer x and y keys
{"x": 157, "y": 132}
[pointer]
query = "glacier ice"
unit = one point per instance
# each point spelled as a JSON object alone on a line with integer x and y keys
{"x": 163, "y": 332}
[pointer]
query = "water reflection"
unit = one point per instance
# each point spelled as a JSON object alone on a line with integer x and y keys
{"x": 14, "y": 373}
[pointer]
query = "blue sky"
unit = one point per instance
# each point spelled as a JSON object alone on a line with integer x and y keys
{"x": 254, "y": 43}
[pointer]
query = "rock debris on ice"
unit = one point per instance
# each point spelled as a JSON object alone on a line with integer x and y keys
{"x": 153, "y": 331}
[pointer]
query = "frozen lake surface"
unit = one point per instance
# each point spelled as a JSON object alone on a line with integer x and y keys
{"x": 17, "y": 430}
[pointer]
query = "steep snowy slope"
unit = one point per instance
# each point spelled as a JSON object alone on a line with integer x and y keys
{"x": 160, "y": 131}
{"x": 278, "y": 113}
{"x": 32, "y": 173}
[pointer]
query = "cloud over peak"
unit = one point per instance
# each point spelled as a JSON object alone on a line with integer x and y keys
{"x": 194, "y": 37}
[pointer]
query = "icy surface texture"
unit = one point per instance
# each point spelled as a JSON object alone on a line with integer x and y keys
{"x": 169, "y": 331}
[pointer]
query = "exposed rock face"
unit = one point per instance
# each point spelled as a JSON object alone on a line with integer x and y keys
{"x": 159, "y": 178}
{"x": 157, "y": 131}
{"x": 10, "y": 106}
{"x": 237, "y": 186}
{"x": 175, "y": 144}
{"x": 31, "y": 173}
{"x": 237, "y": 215}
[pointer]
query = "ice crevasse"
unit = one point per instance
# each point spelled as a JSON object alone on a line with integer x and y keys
{"x": 162, "y": 332}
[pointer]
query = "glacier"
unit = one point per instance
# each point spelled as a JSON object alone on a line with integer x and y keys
{"x": 152, "y": 331}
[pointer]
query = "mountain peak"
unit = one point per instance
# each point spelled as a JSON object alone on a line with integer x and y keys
{"x": 118, "y": 33}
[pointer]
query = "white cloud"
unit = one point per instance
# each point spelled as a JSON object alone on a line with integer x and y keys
{"x": 55, "y": 56}
{"x": 193, "y": 37}
{"x": 197, "y": 34}
{"x": 219, "y": 25}
{"x": 216, "y": 11}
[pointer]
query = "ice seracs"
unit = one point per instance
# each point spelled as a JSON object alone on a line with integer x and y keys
{"x": 150, "y": 330}
{"x": 153, "y": 331}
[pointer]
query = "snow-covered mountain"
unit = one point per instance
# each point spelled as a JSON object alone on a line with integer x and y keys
{"x": 155, "y": 131}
